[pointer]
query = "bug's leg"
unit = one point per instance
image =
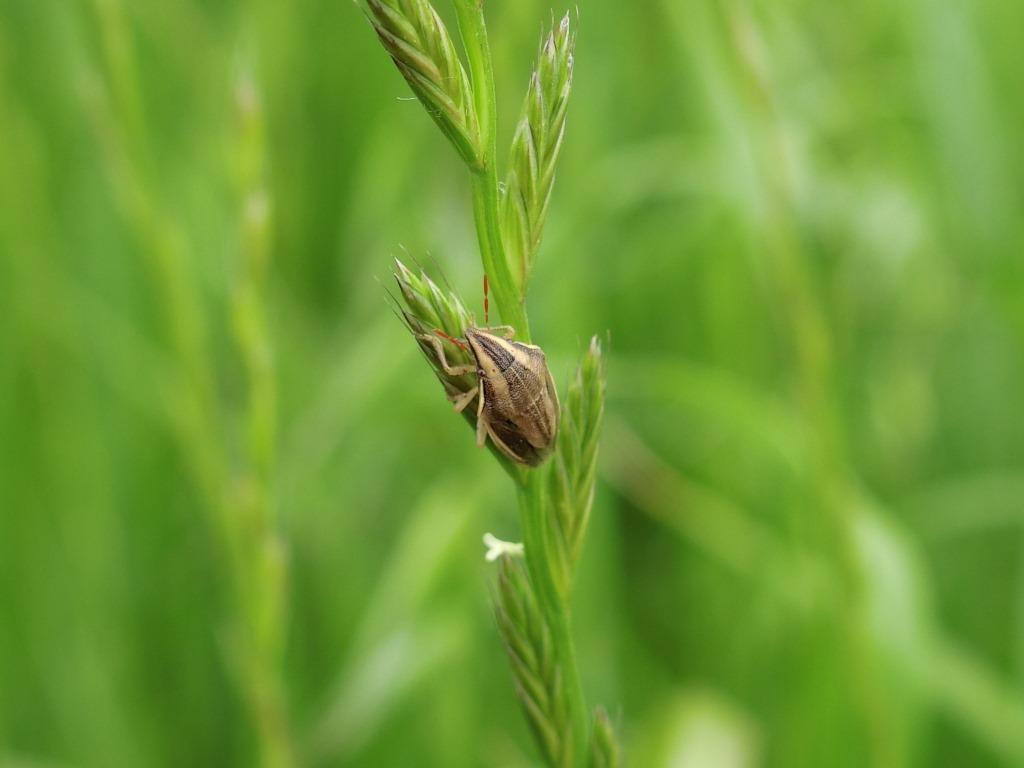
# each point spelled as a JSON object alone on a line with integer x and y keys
{"x": 505, "y": 331}
{"x": 481, "y": 422}
{"x": 461, "y": 401}
{"x": 502, "y": 446}
{"x": 451, "y": 370}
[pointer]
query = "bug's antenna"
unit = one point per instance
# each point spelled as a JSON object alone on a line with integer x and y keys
{"x": 487, "y": 320}
{"x": 457, "y": 342}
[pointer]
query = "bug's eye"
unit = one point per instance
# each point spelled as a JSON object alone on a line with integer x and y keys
{"x": 479, "y": 371}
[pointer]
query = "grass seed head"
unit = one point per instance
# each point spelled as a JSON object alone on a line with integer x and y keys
{"x": 535, "y": 149}
{"x": 574, "y": 470}
{"x": 418, "y": 41}
{"x": 428, "y": 309}
{"x": 538, "y": 679}
{"x": 604, "y": 751}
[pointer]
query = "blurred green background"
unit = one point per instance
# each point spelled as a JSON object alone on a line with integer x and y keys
{"x": 800, "y": 227}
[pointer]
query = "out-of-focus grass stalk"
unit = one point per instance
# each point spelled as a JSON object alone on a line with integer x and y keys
{"x": 815, "y": 378}
{"x": 120, "y": 126}
{"x": 241, "y": 507}
{"x": 261, "y": 630}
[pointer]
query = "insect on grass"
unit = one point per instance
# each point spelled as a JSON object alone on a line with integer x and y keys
{"x": 504, "y": 382}
{"x": 516, "y": 400}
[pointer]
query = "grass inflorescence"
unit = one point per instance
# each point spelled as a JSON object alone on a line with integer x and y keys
{"x": 574, "y": 466}
{"x": 429, "y": 309}
{"x": 535, "y": 149}
{"x": 604, "y": 750}
{"x": 539, "y": 681}
{"x": 424, "y": 53}
{"x": 532, "y": 597}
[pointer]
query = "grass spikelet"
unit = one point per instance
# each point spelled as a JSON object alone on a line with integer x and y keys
{"x": 571, "y": 479}
{"x": 429, "y": 309}
{"x": 535, "y": 148}
{"x": 418, "y": 41}
{"x": 538, "y": 679}
{"x": 604, "y": 751}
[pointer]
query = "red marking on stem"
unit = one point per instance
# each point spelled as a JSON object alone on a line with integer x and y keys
{"x": 487, "y": 306}
{"x": 460, "y": 344}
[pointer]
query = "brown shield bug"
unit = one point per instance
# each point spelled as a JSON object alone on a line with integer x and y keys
{"x": 517, "y": 404}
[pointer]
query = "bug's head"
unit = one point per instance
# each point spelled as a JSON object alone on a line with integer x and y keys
{"x": 493, "y": 354}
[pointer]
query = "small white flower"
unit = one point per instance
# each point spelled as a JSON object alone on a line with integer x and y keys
{"x": 496, "y": 548}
